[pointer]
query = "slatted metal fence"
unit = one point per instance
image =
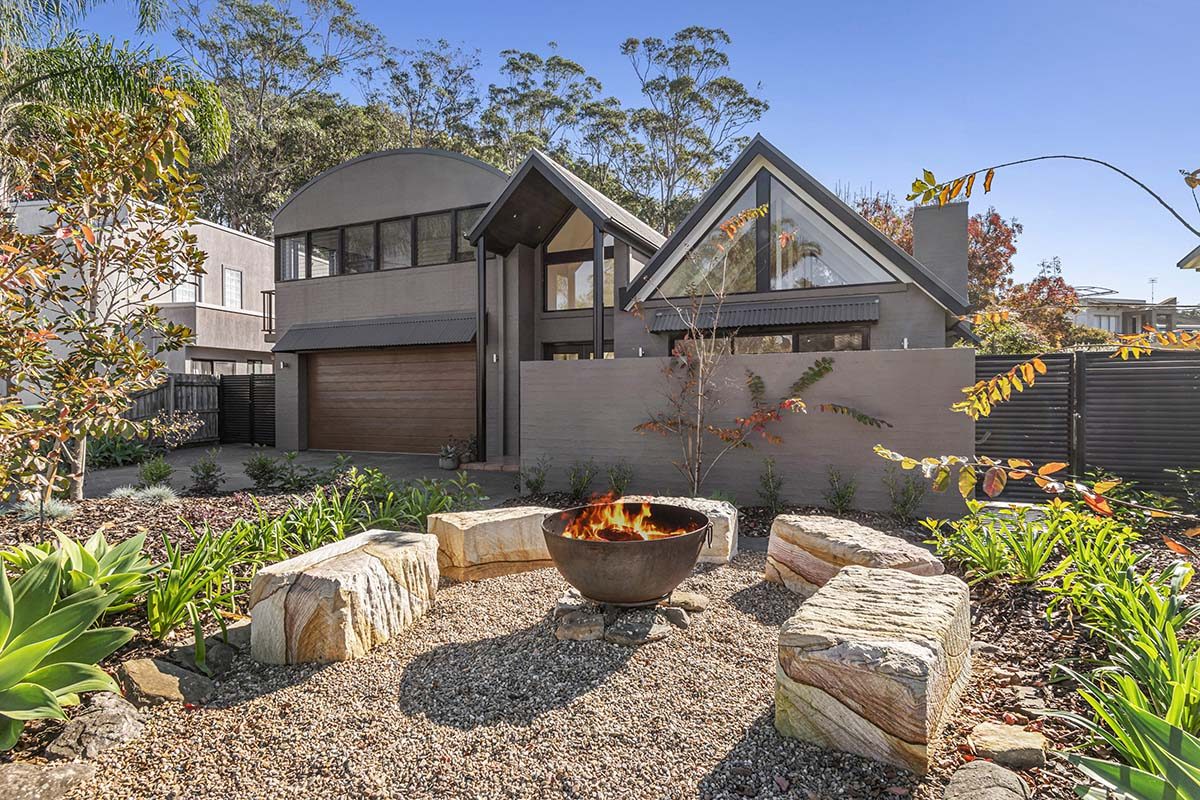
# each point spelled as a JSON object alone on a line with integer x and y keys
{"x": 180, "y": 392}
{"x": 248, "y": 409}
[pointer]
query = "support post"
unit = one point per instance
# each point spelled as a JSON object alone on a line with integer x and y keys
{"x": 481, "y": 348}
{"x": 597, "y": 292}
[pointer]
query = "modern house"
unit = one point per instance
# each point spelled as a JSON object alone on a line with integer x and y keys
{"x": 223, "y": 308}
{"x": 1125, "y": 315}
{"x": 412, "y": 284}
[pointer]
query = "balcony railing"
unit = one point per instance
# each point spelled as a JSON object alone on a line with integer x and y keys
{"x": 268, "y": 311}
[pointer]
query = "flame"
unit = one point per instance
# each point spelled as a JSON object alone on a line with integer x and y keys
{"x": 610, "y": 520}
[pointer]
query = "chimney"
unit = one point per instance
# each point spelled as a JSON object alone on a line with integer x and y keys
{"x": 940, "y": 242}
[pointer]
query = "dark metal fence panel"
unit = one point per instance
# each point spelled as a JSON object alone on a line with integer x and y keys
{"x": 248, "y": 409}
{"x": 1034, "y": 424}
{"x": 181, "y": 392}
{"x": 1141, "y": 417}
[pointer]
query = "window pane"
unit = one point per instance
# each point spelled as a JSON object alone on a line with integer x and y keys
{"x": 395, "y": 243}
{"x": 773, "y": 343}
{"x": 721, "y": 345}
{"x": 720, "y": 258}
{"x": 576, "y": 234}
{"x": 569, "y": 285}
{"x": 360, "y": 248}
{"x": 825, "y": 342}
{"x": 231, "y": 288}
{"x": 324, "y": 254}
{"x": 637, "y": 262}
{"x": 185, "y": 292}
{"x": 807, "y": 251}
{"x": 291, "y": 258}
{"x": 433, "y": 239}
{"x": 467, "y": 218}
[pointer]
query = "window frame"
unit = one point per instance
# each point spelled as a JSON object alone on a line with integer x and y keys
{"x": 550, "y": 259}
{"x": 225, "y": 270}
{"x": 795, "y": 331}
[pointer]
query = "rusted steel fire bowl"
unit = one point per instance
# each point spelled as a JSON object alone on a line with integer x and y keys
{"x": 629, "y": 573}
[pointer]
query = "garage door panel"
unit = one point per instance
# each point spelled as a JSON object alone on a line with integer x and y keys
{"x": 397, "y": 399}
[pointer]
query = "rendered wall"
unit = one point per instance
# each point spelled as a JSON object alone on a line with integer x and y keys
{"x": 576, "y": 410}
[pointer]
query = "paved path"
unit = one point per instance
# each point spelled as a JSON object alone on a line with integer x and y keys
{"x": 498, "y": 486}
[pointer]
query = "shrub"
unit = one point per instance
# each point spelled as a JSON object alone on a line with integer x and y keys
{"x": 1008, "y": 542}
{"x": 342, "y": 466}
{"x": 34, "y": 510}
{"x": 194, "y": 584}
{"x": 579, "y": 480}
{"x": 48, "y": 655}
{"x": 1189, "y": 487}
{"x": 119, "y": 570}
{"x": 207, "y": 474}
{"x": 724, "y": 497}
{"x": 370, "y": 483}
{"x": 412, "y": 504}
{"x": 841, "y": 491}
{"x": 154, "y": 472}
{"x": 160, "y": 495}
{"x": 534, "y": 478}
{"x": 263, "y": 471}
{"x": 294, "y": 476}
{"x": 619, "y": 477}
{"x": 127, "y": 492}
{"x": 905, "y": 493}
{"x": 770, "y": 485}
{"x": 116, "y": 450}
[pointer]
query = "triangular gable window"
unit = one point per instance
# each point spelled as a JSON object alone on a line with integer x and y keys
{"x": 792, "y": 247}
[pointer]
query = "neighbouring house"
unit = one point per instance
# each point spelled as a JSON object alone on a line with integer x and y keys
{"x": 223, "y": 308}
{"x": 411, "y": 285}
{"x": 1126, "y": 315}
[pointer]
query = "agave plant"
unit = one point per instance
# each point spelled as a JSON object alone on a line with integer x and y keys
{"x": 48, "y": 655}
{"x": 120, "y": 570}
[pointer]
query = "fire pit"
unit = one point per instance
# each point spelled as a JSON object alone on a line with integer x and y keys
{"x": 625, "y": 553}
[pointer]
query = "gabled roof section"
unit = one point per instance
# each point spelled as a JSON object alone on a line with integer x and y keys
{"x": 1191, "y": 260}
{"x": 515, "y": 216}
{"x": 648, "y": 279}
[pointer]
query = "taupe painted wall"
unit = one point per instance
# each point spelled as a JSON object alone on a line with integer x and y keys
{"x": 576, "y": 410}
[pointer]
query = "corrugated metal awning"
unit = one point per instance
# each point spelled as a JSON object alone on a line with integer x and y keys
{"x": 758, "y": 315}
{"x": 448, "y": 328}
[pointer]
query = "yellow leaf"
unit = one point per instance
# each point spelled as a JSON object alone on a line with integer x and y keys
{"x": 966, "y": 482}
{"x": 1039, "y": 365}
{"x": 1104, "y": 487}
{"x": 1019, "y": 462}
{"x": 987, "y": 180}
{"x": 970, "y": 184}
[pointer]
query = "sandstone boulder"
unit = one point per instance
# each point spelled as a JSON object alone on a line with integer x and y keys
{"x": 22, "y": 780}
{"x": 473, "y": 545}
{"x": 1009, "y": 745}
{"x": 723, "y": 545}
{"x": 149, "y": 681}
{"x": 340, "y": 600}
{"x": 804, "y": 552}
{"x": 873, "y": 663}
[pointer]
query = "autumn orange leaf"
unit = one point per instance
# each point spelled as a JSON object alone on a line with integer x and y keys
{"x": 1177, "y": 547}
{"x": 1098, "y": 504}
{"x": 1051, "y": 468}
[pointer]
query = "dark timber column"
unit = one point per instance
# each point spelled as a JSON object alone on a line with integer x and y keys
{"x": 481, "y": 348}
{"x": 597, "y": 292}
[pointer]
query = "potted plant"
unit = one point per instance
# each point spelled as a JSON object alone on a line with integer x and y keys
{"x": 448, "y": 456}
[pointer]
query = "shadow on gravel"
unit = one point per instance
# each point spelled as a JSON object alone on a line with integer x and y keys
{"x": 769, "y": 603}
{"x": 509, "y": 679}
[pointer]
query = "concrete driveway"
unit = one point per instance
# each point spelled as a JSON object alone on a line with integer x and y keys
{"x": 498, "y": 486}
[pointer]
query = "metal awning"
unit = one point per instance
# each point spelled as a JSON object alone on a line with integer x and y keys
{"x": 447, "y": 328}
{"x": 758, "y": 315}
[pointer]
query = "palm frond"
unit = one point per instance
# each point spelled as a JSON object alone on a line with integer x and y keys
{"x": 25, "y": 23}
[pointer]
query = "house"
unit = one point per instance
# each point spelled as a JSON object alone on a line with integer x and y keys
{"x": 223, "y": 308}
{"x": 412, "y": 284}
{"x": 1125, "y": 315}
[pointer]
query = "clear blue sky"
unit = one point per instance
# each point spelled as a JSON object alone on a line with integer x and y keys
{"x": 865, "y": 95}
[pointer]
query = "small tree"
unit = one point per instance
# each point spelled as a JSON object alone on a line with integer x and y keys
{"x": 76, "y": 344}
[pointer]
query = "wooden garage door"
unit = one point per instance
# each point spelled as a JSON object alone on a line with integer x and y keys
{"x": 391, "y": 399}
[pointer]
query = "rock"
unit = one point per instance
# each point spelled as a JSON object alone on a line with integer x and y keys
{"x": 149, "y": 681}
{"x": 1029, "y": 699}
{"x": 568, "y": 603}
{"x": 218, "y": 657}
{"x": 1009, "y": 745}
{"x": 723, "y": 516}
{"x": 109, "y": 721}
{"x": 688, "y": 601}
{"x": 580, "y": 626}
{"x": 983, "y": 780}
{"x": 21, "y": 780}
{"x": 340, "y": 600}
{"x": 633, "y": 628}
{"x": 237, "y": 635}
{"x": 980, "y": 647}
{"x": 873, "y": 663}
{"x": 804, "y": 552}
{"x": 473, "y": 545}
{"x": 676, "y": 616}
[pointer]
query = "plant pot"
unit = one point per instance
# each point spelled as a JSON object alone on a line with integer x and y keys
{"x": 448, "y": 462}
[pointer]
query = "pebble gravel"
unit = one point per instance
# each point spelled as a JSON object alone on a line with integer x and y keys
{"x": 480, "y": 700}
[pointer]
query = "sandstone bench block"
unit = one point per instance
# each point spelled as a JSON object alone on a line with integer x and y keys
{"x": 340, "y": 600}
{"x": 805, "y": 552}
{"x": 723, "y": 516}
{"x": 473, "y": 545}
{"x": 873, "y": 663}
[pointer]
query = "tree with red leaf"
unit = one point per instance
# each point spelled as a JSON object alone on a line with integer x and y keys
{"x": 1045, "y": 303}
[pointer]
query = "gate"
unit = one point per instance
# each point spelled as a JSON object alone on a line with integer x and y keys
{"x": 248, "y": 409}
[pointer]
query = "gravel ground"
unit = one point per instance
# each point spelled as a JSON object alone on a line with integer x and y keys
{"x": 479, "y": 700}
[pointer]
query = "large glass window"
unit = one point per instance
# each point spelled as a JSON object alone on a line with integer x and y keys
{"x": 433, "y": 239}
{"x": 826, "y": 342}
{"x": 574, "y": 351}
{"x": 186, "y": 292}
{"x": 723, "y": 257}
{"x": 360, "y": 248}
{"x": 395, "y": 243}
{"x": 291, "y": 258}
{"x": 231, "y": 287}
{"x": 467, "y": 217}
{"x": 768, "y": 343}
{"x": 569, "y": 285}
{"x": 807, "y": 251}
{"x": 324, "y": 257}
{"x": 575, "y": 234}
{"x": 800, "y": 340}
